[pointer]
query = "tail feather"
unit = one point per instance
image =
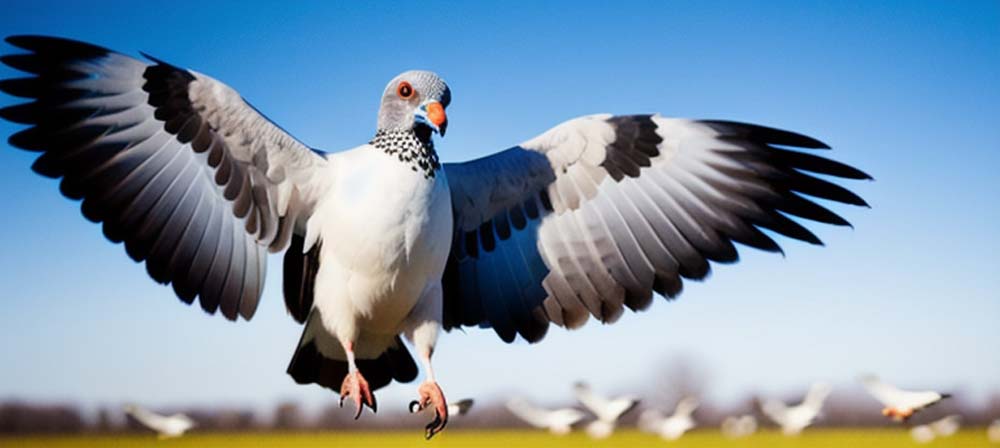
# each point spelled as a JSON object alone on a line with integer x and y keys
{"x": 308, "y": 365}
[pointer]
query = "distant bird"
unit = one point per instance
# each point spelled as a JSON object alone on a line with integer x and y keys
{"x": 737, "y": 427}
{"x": 899, "y": 404}
{"x": 943, "y": 427}
{"x": 674, "y": 426}
{"x": 946, "y": 426}
{"x": 165, "y": 426}
{"x": 922, "y": 434}
{"x": 383, "y": 240}
{"x": 793, "y": 419}
{"x": 557, "y": 421}
{"x": 993, "y": 431}
{"x": 607, "y": 411}
{"x": 460, "y": 407}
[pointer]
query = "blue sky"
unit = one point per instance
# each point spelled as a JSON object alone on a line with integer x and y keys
{"x": 907, "y": 91}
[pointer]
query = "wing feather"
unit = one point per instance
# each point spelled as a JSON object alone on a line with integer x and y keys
{"x": 174, "y": 164}
{"x": 617, "y": 208}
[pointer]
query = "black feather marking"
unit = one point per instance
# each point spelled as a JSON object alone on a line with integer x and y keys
{"x": 785, "y": 226}
{"x": 635, "y": 144}
{"x": 732, "y": 130}
{"x": 299, "y": 278}
{"x": 817, "y": 164}
{"x": 794, "y": 204}
{"x": 57, "y": 46}
{"x": 822, "y": 189}
{"x": 486, "y": 236}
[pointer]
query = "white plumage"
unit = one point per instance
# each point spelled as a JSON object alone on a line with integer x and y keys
{"x": 993, "y": 431}
{"x": 735, "y": 427}
{"x": 793, "y": 419}
{"x": 943, "y": 427}
{"x": 606, "y": 410}
{"x": 674, "y": 426}
{"x": 166, "y": 426}
{"x": 557, "y": 421}
{"x": 922, "y": 434}
{"x": 900, "y": 404}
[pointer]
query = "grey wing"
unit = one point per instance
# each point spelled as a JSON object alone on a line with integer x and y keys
{"x": 601, "y": 211}
{"x": 176, "y": 165}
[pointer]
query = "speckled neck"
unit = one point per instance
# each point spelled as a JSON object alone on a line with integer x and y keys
{"x": 409, "y": 149}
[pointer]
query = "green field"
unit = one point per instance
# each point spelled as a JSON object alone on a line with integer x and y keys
{"x": 509, "y": 439}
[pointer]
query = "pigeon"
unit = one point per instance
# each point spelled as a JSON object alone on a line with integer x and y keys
{"x": 899, "y": 404}
{"x": 674, "y": 426}
{"x": 165, "y": 426}
{"x": 607, "y": 411}
{"x": 735, "y": 427}
{"x": 793, "y": 419}
{"x": 557, "y": 421}
{"x": 382, "y": 242}
{"x": 922, "y": 434}
{"x": 993, "y": 431}
{"x": 943, "y": 427}
{"x": 946, "y": 426}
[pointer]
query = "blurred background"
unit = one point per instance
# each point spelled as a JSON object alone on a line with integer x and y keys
{"x": 907, "y": 91}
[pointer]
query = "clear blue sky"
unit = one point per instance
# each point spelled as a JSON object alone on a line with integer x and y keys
{"x": 907, "y": 91}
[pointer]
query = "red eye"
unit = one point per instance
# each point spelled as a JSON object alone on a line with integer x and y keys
{"x": 405, "y": 90}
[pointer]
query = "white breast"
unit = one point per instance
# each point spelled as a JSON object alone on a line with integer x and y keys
{"x": 385, "y": 232}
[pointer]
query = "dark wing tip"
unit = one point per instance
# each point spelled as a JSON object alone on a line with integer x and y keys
{"x": 766, "y": 134}
{"x": 39, "y": 43}
{"x": 153, "y": 58}
{"x": 10, "y": 113}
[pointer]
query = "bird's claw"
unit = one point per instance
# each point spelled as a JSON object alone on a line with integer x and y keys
{"x": 431, "y": 397}
{"x": 356, "y": 387}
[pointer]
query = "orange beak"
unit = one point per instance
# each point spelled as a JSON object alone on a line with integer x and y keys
{"x": 436, "y": 115}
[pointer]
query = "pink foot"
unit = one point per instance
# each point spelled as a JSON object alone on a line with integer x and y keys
{"x": 431, "y": 397}
{"x": 356, "y": 387}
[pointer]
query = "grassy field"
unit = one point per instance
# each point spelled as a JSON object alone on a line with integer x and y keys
{"x": 510, "y": 439}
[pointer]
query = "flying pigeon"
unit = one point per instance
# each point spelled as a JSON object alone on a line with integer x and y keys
{"x": 943, "y": 427}
{"x": 993, "y": 431}
{"x": 607, "y": 411}
{"x": 383, "y": 241}
{"x": 674, "y": 426}
{"x": 899, "y": 404}
{"x": 793, "y": 419}
{"x": 735, "y": 427}
{"x": 922, "y": 434}
{"x": 165, "y": 426}
{"x": 557, "y": 421}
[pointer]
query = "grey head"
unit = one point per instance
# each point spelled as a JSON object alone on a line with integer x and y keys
{"x": 415, "y": 101}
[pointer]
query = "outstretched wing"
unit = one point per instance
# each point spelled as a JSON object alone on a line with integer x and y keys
{"x": 176, "y": 165}
{"x": 686, "y": 406}
{"x": 885, "y": 393}
{"x": 775, "y": 410}
{"x": 816, "y": 396}
{"x": 148, "y": 418}
{"x": 596, "y": 404}
{"x": 601, "y": 211}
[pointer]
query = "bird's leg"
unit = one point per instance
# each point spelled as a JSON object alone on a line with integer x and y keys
{"x": 431, "y": 397}
{"x": 899, "y": 415}
{"x": 423, "y": 326}
{"x": 355, "y": 386}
